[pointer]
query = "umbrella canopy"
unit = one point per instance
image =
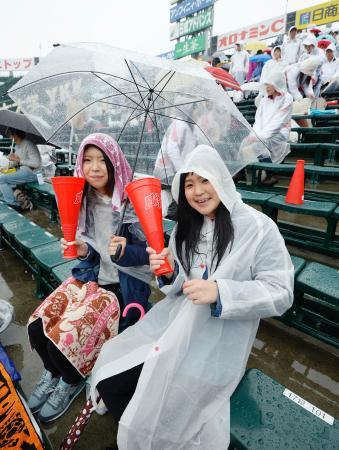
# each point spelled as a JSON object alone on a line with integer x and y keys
{"x": 260, "y": 58}
{"x": 10, "y": 119}
{"x": 223, "y": 77}
{"x": 254, "y": 46}
{"x": 82, "y": 88}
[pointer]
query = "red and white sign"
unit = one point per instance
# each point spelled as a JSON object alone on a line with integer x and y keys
{"x": 14, "y": 64}
{"x": 262, "y": 30}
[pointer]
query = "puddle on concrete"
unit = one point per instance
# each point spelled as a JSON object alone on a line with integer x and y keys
{"x": 306, "y": 369}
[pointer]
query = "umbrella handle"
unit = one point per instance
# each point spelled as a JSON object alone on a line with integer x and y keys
{"x": 117, "y": 254}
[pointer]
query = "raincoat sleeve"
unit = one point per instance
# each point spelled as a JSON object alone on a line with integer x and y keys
{"x": 291, "y": 76}
{"x": 270, "y": 292}
{"x": 273, "y": 124}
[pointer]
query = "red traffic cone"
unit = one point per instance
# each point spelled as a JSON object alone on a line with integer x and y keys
{"x": 145, "y": 196}
{"x": 295, "y": 193}
{"x": 68, "y": 191}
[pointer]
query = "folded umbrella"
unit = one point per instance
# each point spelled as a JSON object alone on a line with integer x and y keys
{"x": 223, "y": 77}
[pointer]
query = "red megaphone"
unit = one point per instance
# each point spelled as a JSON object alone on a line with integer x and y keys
{"x": 295, "y": 192}
{"x": 145, "y": 196}
{"x": 68, "y": 191}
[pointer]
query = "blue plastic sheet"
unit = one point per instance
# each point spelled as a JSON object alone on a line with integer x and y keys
{"x": 9, "y": 365}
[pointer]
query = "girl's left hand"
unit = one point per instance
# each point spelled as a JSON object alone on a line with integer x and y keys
{"x": 201, "y": 291}
{"x": 115, "y": 241}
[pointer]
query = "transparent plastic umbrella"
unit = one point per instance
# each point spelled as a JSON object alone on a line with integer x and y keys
{"x": 82, "y": 88}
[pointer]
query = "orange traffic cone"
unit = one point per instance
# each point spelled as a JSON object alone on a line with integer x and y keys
{"x": 295, "y": 193}
{"x": 68, "y": 191}
{"x": 145, "y": 196}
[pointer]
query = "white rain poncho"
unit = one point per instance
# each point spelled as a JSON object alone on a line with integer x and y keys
{"x": 308, "y": 67}
{"x": 291, "y": 49}
{"x": 273, "y": 65}
{"x": 239, "y": 64}
{"x": 273, "y": 118}
{"x": 193, "y": 361}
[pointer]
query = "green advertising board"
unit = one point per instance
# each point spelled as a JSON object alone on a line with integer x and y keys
{"x": 203, "y": 19}
{"x": 190, "y": 46}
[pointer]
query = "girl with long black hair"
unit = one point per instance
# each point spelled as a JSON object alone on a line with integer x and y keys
{"x": 174, "y": 371}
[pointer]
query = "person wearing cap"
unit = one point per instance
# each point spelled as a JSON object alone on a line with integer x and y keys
{"x": 330, "y": 68}
{"x": 311, "y": 49}
{"x": 239, "y": 63}
{"x": 292, "y": 47}
{"x": 273, "y": 120}
{"x": 299, "y": 78}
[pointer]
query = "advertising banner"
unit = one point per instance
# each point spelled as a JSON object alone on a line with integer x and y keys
{"x": 317, "y": 15}
{"x": 187, "y": 8}
{"x": 262, "y": 30}
{"x": 200, "y": 21}
{"x": 17, "y": 64}
{"x": 190, "y": 46}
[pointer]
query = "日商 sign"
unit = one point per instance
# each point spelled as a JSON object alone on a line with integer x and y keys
{"x": 200, "y": 21}
{"x": 317, "y": 15}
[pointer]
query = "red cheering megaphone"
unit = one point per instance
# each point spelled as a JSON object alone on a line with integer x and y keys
{"x": 68, "y": 191}
{"x": 145, "y": 196}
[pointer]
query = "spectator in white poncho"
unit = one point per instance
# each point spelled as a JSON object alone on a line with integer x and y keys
{"x": 292, "y": 47}
{"x": 239, "y": 63}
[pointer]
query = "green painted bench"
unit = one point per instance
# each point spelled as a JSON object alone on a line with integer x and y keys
{"x": 62, "y": 272}
{"x": 256, "y": 198}
{"x": 314, "y": 172}
{"x": 26, "y": 241}
{"x": 11, "y": 228}
{"x": 316, "y": 135}
{"x": 267, "y": 416}
{"x": 42, "y": 195}
{"x": 46, "y": 257}
{"x": 316, "y": 311}
{"x": 319, "y": 152}
{"x": 7, "y": 215}
{"x": 306, "y": 236}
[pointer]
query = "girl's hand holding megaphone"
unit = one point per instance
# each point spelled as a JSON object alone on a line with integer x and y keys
{"x": 81, "y": 246}
{"x": 156, "y": 259}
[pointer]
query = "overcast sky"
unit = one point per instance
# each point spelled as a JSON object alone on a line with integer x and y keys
{"x": 30, "y": 27}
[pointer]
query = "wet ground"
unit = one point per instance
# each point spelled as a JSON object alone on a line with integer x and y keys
{"x": 303, "y": 364}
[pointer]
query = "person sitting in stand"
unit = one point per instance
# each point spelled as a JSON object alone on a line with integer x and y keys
{"x": 68, "y": 329}
{"x": 330, "y": 68}
{"x": 273, "y": 123}
{"x": 26, "y": 160}
{"x": 167, "y": 381}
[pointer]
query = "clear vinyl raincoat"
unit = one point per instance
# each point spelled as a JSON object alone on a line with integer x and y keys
{"x": 192, "y": 360}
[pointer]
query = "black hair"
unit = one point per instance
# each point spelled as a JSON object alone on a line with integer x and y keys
{"x": 19, "y": 133}
{"x": 110, "y": 172}
{"x": 189, "y": 227}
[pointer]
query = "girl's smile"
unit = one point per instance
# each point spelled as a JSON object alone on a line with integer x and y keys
{"x": 201, "y": 195}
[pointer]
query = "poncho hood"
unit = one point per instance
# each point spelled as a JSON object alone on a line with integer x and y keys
{"x": 206, "y": 162}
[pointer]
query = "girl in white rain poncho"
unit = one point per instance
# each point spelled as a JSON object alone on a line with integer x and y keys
{"x": 231, "y": 269}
